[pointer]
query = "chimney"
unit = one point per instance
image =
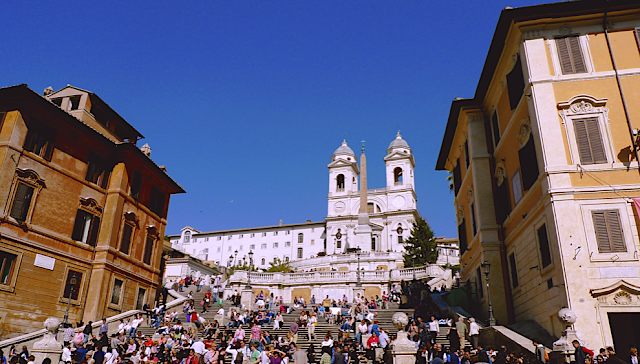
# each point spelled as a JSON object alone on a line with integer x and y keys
{"x": 308, "y": 221}
{"x": 146, "y": 150}
{"x": 47, "y": 91}
{"x": 280, "y": 222}
{"x": 163, "y": 168}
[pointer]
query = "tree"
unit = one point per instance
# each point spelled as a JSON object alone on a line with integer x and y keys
{"x": 422, "y": 244}
{"x": 279, "y": 266}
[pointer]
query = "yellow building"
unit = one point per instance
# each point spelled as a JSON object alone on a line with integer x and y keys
{"x": 545, "y": 170}
{"x": 82, "y": 210}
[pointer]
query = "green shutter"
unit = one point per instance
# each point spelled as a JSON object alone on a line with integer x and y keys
{"x": 21, "y": 201}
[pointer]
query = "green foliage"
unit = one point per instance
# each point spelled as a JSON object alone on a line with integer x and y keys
{"x": 422, "y": 244}
{"x": 244, "y": 266}
{"x": 279, "y": 266}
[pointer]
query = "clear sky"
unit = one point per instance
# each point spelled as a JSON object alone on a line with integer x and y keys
{"x": 245, "y": 101}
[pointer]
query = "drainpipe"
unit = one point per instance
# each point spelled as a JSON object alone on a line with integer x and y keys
{"x": 615, "y": 68}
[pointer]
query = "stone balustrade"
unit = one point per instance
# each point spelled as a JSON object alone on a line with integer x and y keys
{"x": 322, "y": 277}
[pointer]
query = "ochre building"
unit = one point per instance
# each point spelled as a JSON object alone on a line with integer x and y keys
{"x": 545, "y": 170}
{"x": 82, "y": 210}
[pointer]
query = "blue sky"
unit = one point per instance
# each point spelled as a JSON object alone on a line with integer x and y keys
{"x": 245, "y": 101}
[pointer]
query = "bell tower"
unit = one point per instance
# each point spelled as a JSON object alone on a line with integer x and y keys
{"x": 400, "y": 164}
{"x": 343, "y": 180}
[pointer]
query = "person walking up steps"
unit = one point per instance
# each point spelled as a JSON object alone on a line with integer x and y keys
{"x": 311, "y": 326}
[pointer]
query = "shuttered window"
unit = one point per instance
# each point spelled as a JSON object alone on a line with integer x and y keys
{"x": 97, "y": 171}
{"x": 543, "y": 240}
{"x": 589, "y": 141}
{"x": 72, "y": 285}
{"x": 462, "y": 235}
{"x": 148, "y": 250}
{"x": 570, "y": 55}
{"x": 125, "y": 244}
{"x": 21, "y": 202}
{"x": 528, "y": 164}
{"x": 7, "y": 266}
{"x": 609, "y": 231}
{"x": 86, "y": 228}
{"x": 157, "y": 201}
{"x": 40, "y": 140}
{"x": 502, "y": 202}
{"x": 457, "y": 177}
{"x": 495, "y": 129}
{"x": 514, "y": 270}
{"x": 515, "y": 84}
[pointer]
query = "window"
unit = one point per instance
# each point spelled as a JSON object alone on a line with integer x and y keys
{"x": 515, "y": 84}
{"x": 514, "y": 270}
{"x": 40, "y": 141}
{"x": 195, "y": 240}
{"x": 339, "y": 244}
{"x": 157, "y": 201}
{"x": 21, "y": 201}
{"x": 219, "y": 238}
{"x": 264, "y": 246}
{"x": 287, "y": 232}
{"x": 472, "y": 212}
{"x": 263, "y": 261}
{"x": 240, "y": 236}
{"x": 148, "y": 250}
{"x": 275, "y": 233}
{"x": 74, "y": 102}
{"x": 252, "y": 235}
{"x": 140, "y": 298}
{"x": 229, "y": 249}
{"x": 287, "y": 244}
{"x": 97, "y": 171}
{"x": 495, "y": 129}
{"x": 503, "y": 201}
{"x": 312, "y": 229}
{"x": 543, "y": 240}
{"x": 264, "y": 234}
{"x": 589, "y": 140}
{"x": 252, "y": 247}
{"x": 313, "y": 242}
{"x": 516, "y": 186}
{"x": 457, "y": 177}
{"x": 570, "y": 55}
{"x": 240, "y": 248}
{"x": 299, "y": 253}
{"x": 187, "y": 236}
{"x": 72, "y": 290}
{"x": 286, "y": 259}
{"x": 230, "y": 236}
{"x": 275, "y": 245}
{"x": 218, "y": 250}
{"x": 7, "y": 267}
{"x": 116, "y": 292}
{"x": 300, "y": 238}
{"x": 86, "y": 228}
{"x": 136, "y": 183}
{"x": 479, "y": 280}
{"x": 462, "y": 235}
{"x": 125, "y": 241}
{"x": 206, "y": 239}
{"x": 608, "y": 230}
{"x": 340, "y": 183}
{"x": 400, "y": 241}
{"x": 275, "y": 260}
{"x": 373, "y": 244}
{"x": 397, "y": 176}
{"x": 528, "y": 163}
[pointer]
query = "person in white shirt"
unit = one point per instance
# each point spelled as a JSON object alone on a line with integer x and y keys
{"x": 434, "y": 329}
{"x": 362, "y": 329}
{"x": 242, "y": 349}
{"x": 474, "y": 332}
{"x": 327, "y": 341}
{"x": 66, "y": 353}
{"x": 199, "y": 348}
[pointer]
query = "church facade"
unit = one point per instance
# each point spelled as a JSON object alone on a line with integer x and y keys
{"x": 378, "y": 227}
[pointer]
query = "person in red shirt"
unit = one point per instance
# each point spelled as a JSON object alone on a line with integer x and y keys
{"x": 192, "y": 358}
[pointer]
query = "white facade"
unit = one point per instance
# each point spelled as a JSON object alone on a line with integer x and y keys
{"x": 392, "y": 211}
{"x": 285, "y": 242}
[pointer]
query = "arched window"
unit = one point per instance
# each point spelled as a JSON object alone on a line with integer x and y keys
{"x": 370, "y": 207}
{"x": 340, "y": 183}
{"x": 286, "y": 259}
{"x": 187, "y": 236}
{"x": 264, "y": 261}
{"x": 397, "y": 176}
{"x": 300, "y": 238}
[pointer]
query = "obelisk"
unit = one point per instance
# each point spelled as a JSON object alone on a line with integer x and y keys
{"x": 363, "y": 230}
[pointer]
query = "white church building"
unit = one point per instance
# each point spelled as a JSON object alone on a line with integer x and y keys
{"x": 377, "y": 227}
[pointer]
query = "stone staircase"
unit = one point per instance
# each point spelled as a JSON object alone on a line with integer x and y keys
{"x": 383, "y": 317}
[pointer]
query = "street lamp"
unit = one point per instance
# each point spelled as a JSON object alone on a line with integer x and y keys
{"x": 358, "y": 281}
{"x": 72, "y": 283}
{"x": 486, "y": 267}
{"x": 413, "y": 264}
{"x": 250, "y": 266}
